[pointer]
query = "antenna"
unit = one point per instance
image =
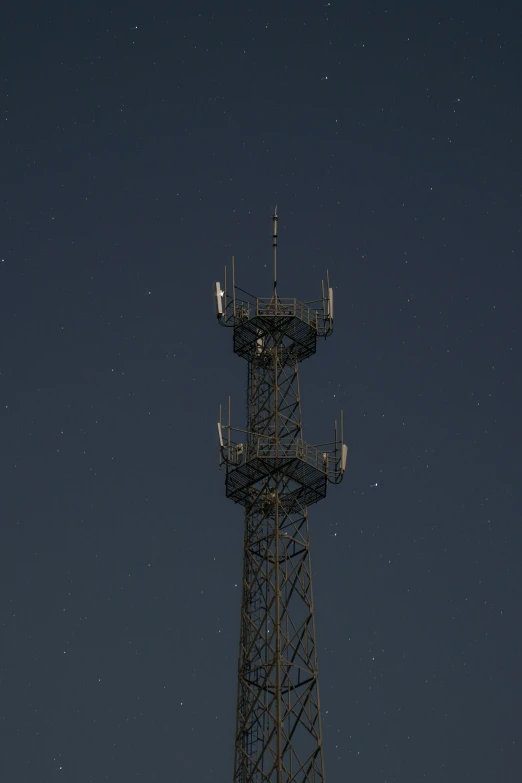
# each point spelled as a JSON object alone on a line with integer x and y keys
{"x": 218, "y": 300}
{"x": 228, "y": 429}
{"x": 274, "y": 245}
{"x": 225, "y": 290}
{"x": 344, "y": 447}
{"x": 330, "y": 298}
{"x": 344, "y": 457}
{"x": 233, "y": 288}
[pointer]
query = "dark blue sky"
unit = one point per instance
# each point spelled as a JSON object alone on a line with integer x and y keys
{"x": 142, "y": 144}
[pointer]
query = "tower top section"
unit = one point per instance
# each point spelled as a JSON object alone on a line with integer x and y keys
{"x": 296, "y": 324}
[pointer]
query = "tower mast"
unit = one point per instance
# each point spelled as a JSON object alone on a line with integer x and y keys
{"x": 274, "y": 246}
{"x": 275, "y": 475}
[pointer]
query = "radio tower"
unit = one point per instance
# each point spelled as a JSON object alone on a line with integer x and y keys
{"x": 275, "y": 475}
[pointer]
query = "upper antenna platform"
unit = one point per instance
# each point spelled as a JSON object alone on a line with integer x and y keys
{"x": 254, "y": 319}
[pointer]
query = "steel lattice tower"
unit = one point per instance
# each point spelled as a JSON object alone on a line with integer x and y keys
{"x": 276, "y": 475}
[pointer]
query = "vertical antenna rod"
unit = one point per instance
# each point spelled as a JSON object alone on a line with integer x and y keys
{"x": 274, "y": 245}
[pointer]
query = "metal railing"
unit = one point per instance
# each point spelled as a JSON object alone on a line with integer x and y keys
{"x": 237, "y": 453}
{"x": 267, "y": 307}
{"x": 289, "y": 307}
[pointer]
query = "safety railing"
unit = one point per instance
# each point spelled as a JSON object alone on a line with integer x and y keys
{"x": 236, "y": 454}
{"x": 266, "y": 307}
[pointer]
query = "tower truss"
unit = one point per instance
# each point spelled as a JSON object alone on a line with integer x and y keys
{"x": 275, "y": 475}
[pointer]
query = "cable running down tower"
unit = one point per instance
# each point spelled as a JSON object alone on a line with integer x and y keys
{"x": 275, "y": 475}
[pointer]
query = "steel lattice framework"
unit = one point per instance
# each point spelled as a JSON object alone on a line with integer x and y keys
{"x": 275, "y": 475}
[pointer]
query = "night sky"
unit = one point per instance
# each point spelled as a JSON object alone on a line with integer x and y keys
{"x": 142, "y": 145}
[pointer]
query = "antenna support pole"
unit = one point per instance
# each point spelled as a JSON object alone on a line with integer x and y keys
{"x": 274, "y": 245}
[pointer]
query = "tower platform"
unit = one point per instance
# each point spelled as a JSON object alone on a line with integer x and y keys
{"x": 297, "y": 324}
{"x": 264, "y": 457}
